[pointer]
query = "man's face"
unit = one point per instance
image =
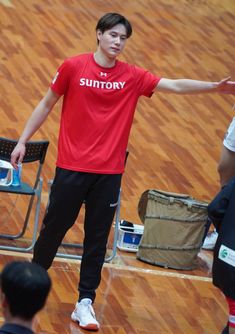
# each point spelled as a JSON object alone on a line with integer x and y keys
{"x": 112, "y": 41}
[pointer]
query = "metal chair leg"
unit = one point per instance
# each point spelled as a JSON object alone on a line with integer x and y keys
{"x": 35, "y": 228}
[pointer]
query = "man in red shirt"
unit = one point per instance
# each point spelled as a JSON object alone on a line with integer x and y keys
{"x": 100, "y": 94}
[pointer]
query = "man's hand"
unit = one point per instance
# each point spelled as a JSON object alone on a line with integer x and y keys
{"x": 226, "y": 87}
{"x": 17, "y": 155}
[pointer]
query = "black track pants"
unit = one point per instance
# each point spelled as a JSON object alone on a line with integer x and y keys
{"x": 68, "y": 192}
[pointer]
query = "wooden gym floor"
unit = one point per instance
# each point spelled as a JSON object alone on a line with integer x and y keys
{"x": 174, "y": 145}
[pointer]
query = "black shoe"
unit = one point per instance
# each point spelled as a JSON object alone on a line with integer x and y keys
{"x": 225, "y": 330}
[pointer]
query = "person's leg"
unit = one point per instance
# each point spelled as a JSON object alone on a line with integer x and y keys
{"x": 210, "y": 239}
{"x": 231, "y": 322}
{"x": 207, "y": 227}
{"x": 101, "y": 204}
{"x": 67, "y": 194}
{"x": 230, "y": 328}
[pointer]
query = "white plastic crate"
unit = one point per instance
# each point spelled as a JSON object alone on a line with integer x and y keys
{"x": 128, "y": 240}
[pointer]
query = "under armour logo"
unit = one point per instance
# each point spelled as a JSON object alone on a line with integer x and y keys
{"x": 103, "y": 74}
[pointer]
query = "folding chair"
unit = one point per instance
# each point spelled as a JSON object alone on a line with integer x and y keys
{"x": 35, "y": 152}
{"x": 115, "y": 236}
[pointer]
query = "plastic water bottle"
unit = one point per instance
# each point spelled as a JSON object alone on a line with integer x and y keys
{"x": 17, "y": 176}
{"x": 3, "y": 173}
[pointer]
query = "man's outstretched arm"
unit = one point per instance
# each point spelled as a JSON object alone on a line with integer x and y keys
{"x": 188, "y": 86}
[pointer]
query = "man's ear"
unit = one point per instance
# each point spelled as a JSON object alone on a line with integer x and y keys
{"x": 98, "y": 34}
{"x": 3, "y": 299}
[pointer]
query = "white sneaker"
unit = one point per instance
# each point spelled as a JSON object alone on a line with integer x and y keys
{"x": 84, "y": 314}
{"x": 210, "y": 240}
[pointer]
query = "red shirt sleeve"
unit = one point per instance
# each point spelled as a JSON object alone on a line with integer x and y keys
{"x": 61, "y": 80}
{"x": 146, "y": 81}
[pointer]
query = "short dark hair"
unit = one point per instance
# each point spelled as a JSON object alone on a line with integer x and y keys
{"x": 26, "y": 286}
{"x": 110, "y": 20}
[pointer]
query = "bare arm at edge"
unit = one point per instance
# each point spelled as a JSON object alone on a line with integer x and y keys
{"x": 188, "y": 86}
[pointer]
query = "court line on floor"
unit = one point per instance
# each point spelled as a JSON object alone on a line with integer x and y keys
{"x": 158, "y": 272}
{"x": 124, "y": 268}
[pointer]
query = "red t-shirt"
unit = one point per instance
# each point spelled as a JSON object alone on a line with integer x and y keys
{"x": 97, "y": 113}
